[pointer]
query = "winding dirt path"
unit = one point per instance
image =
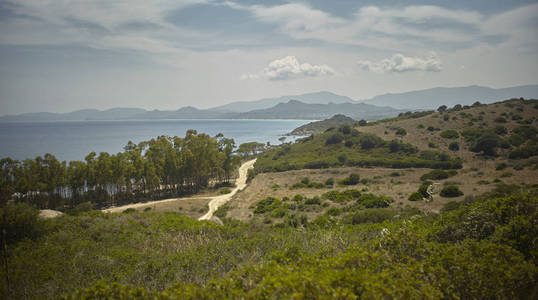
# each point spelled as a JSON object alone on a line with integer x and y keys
{"x": 240, "y": 184}
{"x": 214, "y": 204}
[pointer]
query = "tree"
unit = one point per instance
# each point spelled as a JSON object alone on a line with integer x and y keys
{"x": 282, "y": 139}
{"x": 487, "y": 143}
{"x": 442, "y": 108}
{"x": 250, "y": 148}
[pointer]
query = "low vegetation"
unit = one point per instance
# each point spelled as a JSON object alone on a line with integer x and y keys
{"x": 339, "y": 147}
{"x": 480, "y": 248}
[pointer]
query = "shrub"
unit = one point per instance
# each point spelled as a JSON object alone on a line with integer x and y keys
{"x": 450, "y": 134}
{"x": 454, "y": 146}
{"x": 329, "y": 182}
{"x": 526, "y": 131}
{"x": 369, "y": 141}
{"x": 345, "y": 129}
{"x": 515, "y": 140}
{"x": 362, "y": 123}
{"x": 501, "y": 130}
{"x": 312, "y": 201}
{"x": 266, "y": 205}
{"x": 371, "y": 215}
{"x": 524, "y": 152}
{"x": 334, "y": 211}
{"x": 334, "y": 138}
{"x": 129, "y": 210}
{"x": 437, "y": 175}
{"x": 415, "y": 196}
{"x": 372, "y": 201}
{"x": 446, "y": 117}
{"x": 352, "y": 179}
{"x": 20, "y": 221}
{"x": 401, "y": 132}
{"x": 227, "y": 190}
{"x": 487, "y": 144}
{"x": 451, "y": 191}
{"x": 500, "y": 120}
{"x": 501, "y": 166}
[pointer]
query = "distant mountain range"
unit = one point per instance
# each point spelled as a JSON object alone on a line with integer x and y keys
{"x": 310, "y": 98}
{"x": 433, "y": 98}
{"x": 318, "y": 106}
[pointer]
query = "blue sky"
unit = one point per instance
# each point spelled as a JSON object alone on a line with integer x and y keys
{"x": 62, "y": 55}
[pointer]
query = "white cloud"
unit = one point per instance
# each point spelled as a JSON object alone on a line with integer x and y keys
{"x": 289, "y": 67}
{"x": 400, "y": 63}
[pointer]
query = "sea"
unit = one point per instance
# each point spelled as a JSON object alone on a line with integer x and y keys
{"x": 73, "y": 140}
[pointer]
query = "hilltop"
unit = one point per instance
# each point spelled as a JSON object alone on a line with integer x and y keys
{"x": 320, "y": 126}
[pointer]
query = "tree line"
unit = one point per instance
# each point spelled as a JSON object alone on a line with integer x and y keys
{"x": 161, "y": 167}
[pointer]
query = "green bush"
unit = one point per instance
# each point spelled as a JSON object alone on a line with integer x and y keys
{"x": 225, "y": 190}
{"x": 352, "y": 179}
{"x": 437, "y": 175}
{"x": 501, "y": 166}
{"x": 501, "y": 130}
{"x": 451, "y": 191}
{"x": 487, "y": 143}
{"x": 401, "y": 132}
{"x": 524, "y": 152}
{"x": 335, "y": 138}
{"x": 266, "y": 205}
{"x": 516, "y": 140}
{"x": 500, "y": 120}
{"x": 454, "y": 146}
{"x": 415, "y": 196}
{"x": 20, "y": 221}
{"x": 371, "y": 215}
{"x": 450, "y": 134}
{"x": 526, "y": 131}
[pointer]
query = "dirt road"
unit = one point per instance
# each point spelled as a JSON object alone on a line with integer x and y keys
{"x": 214, "y": 204}
{"x": 240, "y": 184}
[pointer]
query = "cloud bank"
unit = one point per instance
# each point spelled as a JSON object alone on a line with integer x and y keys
{"x": 289, "y": 67}
{"x": 399, "y": 63}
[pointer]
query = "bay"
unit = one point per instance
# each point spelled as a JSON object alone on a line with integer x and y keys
{"x": 73, "y": 140}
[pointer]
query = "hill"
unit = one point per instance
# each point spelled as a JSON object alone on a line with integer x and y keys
{"x": 320, "y": 126}
{"x": 435, "y": 97}
{"x": 310, "y": 98}
{"x": 295, "y": 109}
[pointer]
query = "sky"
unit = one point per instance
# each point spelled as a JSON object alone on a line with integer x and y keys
{"x": 64, "y": 55}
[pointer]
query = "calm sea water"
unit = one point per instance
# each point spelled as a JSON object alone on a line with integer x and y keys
{"x": 74, "y": 140}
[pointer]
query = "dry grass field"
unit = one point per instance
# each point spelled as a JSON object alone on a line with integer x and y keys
{"x": 478, "y": 174}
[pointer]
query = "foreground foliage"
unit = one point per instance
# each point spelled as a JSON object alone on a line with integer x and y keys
{"x": 481, "y": 249}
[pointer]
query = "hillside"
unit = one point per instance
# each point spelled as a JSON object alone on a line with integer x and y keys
{"x": 435, "y": 97}
{"x": 391, "y": 162}
{"x": 295, "y": 109}
{"x": 320, "y": 126}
